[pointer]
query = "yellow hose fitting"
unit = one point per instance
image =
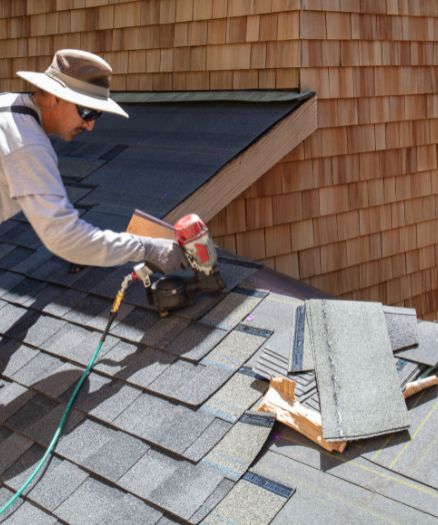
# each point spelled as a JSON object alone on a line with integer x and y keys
{"x": 118, "y": 302}
{"x": 121, "y": 295}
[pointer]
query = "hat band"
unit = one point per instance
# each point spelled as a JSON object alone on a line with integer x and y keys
{"x": 79, "y": 85}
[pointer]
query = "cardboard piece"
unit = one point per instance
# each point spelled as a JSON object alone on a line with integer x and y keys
{"x": 280, "y": 400}
{"x": 148, "y": 226}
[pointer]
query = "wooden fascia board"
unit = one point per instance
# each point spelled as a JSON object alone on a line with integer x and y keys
{"x": 242, "y": 171}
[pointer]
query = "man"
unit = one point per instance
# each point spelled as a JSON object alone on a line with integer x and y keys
{"x": 71, "y": 95}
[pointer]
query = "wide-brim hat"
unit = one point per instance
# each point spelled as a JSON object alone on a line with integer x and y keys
{"x": 78, "y": 77}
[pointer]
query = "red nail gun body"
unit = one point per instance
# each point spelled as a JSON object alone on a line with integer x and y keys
{"x": 175, "y": 291}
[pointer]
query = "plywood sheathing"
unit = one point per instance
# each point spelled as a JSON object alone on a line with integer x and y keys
{"x": 353, "y": 209}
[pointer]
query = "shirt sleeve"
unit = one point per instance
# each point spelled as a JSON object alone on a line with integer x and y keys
{"x": 60, "y": 229}
{"x": 33, "y": 170}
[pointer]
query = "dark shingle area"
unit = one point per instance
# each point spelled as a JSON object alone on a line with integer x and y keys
{"x": 133, "y": 443}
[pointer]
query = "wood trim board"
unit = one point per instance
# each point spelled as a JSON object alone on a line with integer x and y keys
{"x": 244, "y": 169}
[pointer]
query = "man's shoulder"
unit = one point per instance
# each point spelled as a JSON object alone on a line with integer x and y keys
{"x": 20, "y": 130}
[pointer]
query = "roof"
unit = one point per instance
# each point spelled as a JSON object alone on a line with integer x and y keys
{"x": 163, "y": 431}
{"x": 179, "y": 151}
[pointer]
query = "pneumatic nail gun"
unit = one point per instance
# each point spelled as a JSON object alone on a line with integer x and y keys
{"x": 173, "y": 291}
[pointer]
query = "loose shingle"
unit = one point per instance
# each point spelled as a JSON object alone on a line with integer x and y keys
{"x": 402, "y": 326}
{"x": 426, "y": 352}
{"x": 195, "y": 341}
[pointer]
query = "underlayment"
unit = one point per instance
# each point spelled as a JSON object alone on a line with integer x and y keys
{"x": 426, "y": 352}
{"x": 324, "y": 498}
{"x": 350, "y": 382}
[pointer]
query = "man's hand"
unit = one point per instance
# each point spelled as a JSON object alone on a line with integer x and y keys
{"x": 167, "y": 256}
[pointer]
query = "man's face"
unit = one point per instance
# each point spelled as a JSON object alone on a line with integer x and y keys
{"x": 66, "y": 122}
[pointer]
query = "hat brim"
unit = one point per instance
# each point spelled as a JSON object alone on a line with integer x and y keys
{"x": 72, "y": 95}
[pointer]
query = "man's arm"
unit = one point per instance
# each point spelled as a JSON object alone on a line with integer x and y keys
{"x": 62, "y": 232}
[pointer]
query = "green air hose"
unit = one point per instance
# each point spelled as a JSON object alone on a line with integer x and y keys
{"x": 116, "y": 306}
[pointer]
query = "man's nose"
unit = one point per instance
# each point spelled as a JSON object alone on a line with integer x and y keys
{"x": 88, "y": 125}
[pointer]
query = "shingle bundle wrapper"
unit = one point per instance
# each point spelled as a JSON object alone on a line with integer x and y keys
{"x": 357, "y": 379}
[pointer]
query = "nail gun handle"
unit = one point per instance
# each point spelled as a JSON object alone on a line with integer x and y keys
{"x": 142, "y": 272}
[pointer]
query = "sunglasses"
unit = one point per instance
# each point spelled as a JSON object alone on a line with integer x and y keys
{"x": 88, "y": 114}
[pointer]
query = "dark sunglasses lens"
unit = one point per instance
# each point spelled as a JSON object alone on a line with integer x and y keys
{"x": 88, "y": 114}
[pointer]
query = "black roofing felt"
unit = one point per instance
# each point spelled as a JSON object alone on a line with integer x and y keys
{"x": 161, "y": 154}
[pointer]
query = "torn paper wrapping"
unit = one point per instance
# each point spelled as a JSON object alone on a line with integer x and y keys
{"x": 418, "y": 386}
{"x": 280, "y": 399}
